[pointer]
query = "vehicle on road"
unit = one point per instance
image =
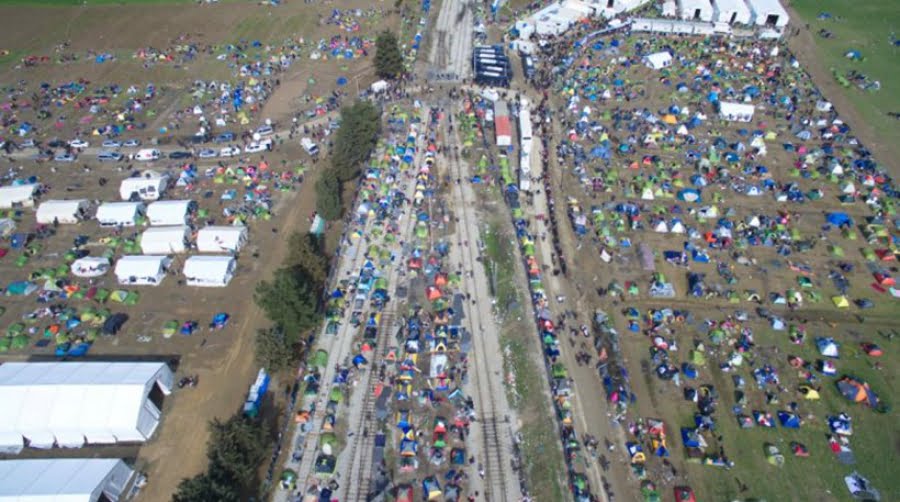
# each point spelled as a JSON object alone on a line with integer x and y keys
{"x": 311, "y": 148}
{"x": 109, "y": 156}
{"x": 132, "y": 143}
{"x": 258, "y": 146}
{"x": 229, "y": 151}
{"x": 64, "y": 157}
{"x": 224, "y": 137}
{"x": 265, "y": 130}
{"x": 79, "y": 143}
{"x": 28, "y": 143}
{"x": 207, "y": 153}
{"x": 56, "y": 143}
{"x": 180, "y": 155}
{"x": 147, "y": 154}
{"x": 111, "y": 143}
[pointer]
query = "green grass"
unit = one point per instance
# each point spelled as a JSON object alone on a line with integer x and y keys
{"x": 70, "y": 3}
{"x": 867, "y": 27}
{"x": 501, "y": 269}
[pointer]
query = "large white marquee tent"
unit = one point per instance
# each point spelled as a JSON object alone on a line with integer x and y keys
{"x": 63, "y": 479}
{"x": 68, "y": 404}
{"x": 221, "y": 239}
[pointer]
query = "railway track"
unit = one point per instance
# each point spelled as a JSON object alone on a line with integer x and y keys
{"x": 495, "y": 428}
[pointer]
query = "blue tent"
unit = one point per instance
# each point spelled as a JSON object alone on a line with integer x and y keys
{"x": 690, "y": 437}
{"x": 838, "y": 219}
{"x": 789, "y": 420}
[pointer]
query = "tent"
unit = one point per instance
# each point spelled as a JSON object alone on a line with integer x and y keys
{"x": 64, "y": 479}
{"x": 165, "y": 240}
{"x": 150, "y": 185}
{"x": 72, "y": 403}
{"x": 90, "y": 266}
{"x": 695, "y": 10}
{"x": 170, "y": 212}
{"x": 209, "y": 271}
{"x": 62, "y": 211}
{"x": 221, "y": 239}
{"x": 658, "y": 60}
{"x": 736, "y": 112}
{"x": 768, "y": 13}
{"x": 18, "y": 195}
{"x": 857, "y": 391}
{"x": 119, "y": 214}
{"x": 731, "y": 12}
{"x": 7, "y": 227}
{"x": 146, "y": 270}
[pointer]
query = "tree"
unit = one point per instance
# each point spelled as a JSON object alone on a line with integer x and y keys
{"x": 273, "y": 350}
{"x": 307, "y": 251}
{"x": 236, "y": 449}
{"x": 290, "y": 301}
{"x": 328, "y": 197}
{"x": 355, "y": 139}
{"x": 202, "y": 488}
{"x": 388, "y": 58}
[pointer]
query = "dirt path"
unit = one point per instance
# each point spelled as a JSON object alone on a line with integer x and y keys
{"x": 803, "y": 46}
{"x": 179, "y": 451}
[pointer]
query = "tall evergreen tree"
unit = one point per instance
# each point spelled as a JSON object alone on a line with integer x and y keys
{"x": 388, "y": 58}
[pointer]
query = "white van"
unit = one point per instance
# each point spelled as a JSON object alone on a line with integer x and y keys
{"x": 147, "y": 154}
{"x": 310, "y": 147}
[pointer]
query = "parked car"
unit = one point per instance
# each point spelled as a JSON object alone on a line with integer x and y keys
{"x": 79, "y": 143}
{"x": 180, "y": 155}
{"x": 64, "y": 157}
{"x": 56, "y": 143}
{"x": 28, "y": 143}
{"x": 224, "y": 137}
{"x": 265, "y": 130}
{"x": 147, "y": 154}
{"x": 111, "y": 143}
{"x": 207, "y": 153}
{"x": 109, "y": 156}
{"x": 132, "y": 143}
{"x": 198, "y": 139}
{"x": 41, "y": 157}
{"x": 258, "y": 146}
{"x": 229, "y": 151}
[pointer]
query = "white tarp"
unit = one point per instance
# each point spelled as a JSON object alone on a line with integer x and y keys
{"x": 18, "y": 195}
{"x": 142, "y": 270}
{"x": 70, "y": 403}
{"x": 119, "y": 214}
{"x": 736, "y": 112}
{"x": 169, "y": 212}
{"x": 165, "y": 240}
{"x": 7, "y": 227}
{"x": 221, "y": 239}
{"x": 150, "y": 185}
{"x": 90, "y": 266}
{"x": 209, "y": 271}
{"x": 63, "y": 479}
{"x": 62, "y": 211}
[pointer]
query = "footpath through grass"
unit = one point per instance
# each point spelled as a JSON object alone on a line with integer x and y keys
{"x": 541, "y": 454}
{"x": 869, "y": 27}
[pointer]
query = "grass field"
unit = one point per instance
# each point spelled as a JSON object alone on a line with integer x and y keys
{"x": 868, "y": 27}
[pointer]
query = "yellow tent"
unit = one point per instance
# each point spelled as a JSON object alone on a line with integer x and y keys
{"x": 670, "y": 119}
{"x": 840, "y": 302}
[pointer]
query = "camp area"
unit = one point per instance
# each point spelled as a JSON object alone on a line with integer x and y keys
{"x": 65, "y": 479}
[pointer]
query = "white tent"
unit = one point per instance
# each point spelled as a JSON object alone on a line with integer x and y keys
{"x": 695, "y": 10}
{"x": 90, "y": 266}
{"x": 768, "y": 13}
{"x": 739, "y": 112}
{"x": 142, "y": 270}
{"x": 165, "y": 240}
{"x": 18, "y": 195}
{"x": 209, "y": 271}
{"x": 62, "y": 211}
{"x": 63, "y": 479}
{"x": 658, "y": 60}
{"x": 677, "y": 227}
{"x": 7, "y": 227}
{"x": 731, "y": 12}
{"x": 221, "y": 239}
{"x": 120, "y": 214}
{"x": 661, "y": 227}
{"x": 150, "y": 185}
{"x": 169, "y": 212}
{"x": 72, "y": 403}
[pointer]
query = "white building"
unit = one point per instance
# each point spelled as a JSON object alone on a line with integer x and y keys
{"x": 695, "y": 10}
{"x": 150, "y": 185}
{"x": 18, "y": 195}
{"x": 64, "y": 480}
{"x": 62, "y": 211}
{"x": 170, "y": 212}
{"x": 68, "y": 404}
{"x": 221, "y": 239}
{"x": 731, "y": 12}
{"x": 736, "y": 112}
{"x": 120, "y": 214}
{"x": 209, "y": 271}
{"x": 166, "y": 239}
{"x": 142, "y": 270}
{"x": 658, "y": 60}
{"x": 768, "y": 13}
